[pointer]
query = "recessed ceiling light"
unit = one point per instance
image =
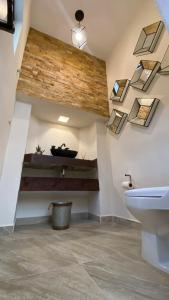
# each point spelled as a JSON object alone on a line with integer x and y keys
{"x": 63, "y": 119}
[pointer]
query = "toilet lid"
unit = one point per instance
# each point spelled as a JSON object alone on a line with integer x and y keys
{"x": 148, "y": 192}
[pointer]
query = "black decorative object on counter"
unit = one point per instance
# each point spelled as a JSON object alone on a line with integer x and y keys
{"x": 66, "y": 152}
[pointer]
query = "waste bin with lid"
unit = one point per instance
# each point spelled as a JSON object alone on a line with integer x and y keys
{"x": 61, "y": 214}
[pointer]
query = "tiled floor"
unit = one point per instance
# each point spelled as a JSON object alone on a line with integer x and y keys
{"x": 88, "y": 261}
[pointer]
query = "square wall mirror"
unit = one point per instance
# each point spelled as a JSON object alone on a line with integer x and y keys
{"x": 142, "y": 111}
{"x": 148, "y": 38}
{"x": 164, "y": 69}
{"x": 7, "y": 15}
{"x": 144, "y": 74}
{"x": 120, "y": 90}
{"x": 116, "y": 121}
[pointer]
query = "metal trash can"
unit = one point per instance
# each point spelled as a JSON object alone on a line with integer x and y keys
{"x": 61, "y": 214}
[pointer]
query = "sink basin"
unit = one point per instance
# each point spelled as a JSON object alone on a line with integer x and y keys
{"x": 63, "y": 152}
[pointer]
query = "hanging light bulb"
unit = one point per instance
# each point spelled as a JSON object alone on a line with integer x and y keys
{"x": 79, "y": 37}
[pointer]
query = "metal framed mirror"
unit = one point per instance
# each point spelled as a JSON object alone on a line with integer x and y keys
{"x": 164, "y": 68}
{"x": 144, "y": 74}
{"x": 116, "y": 121}
{"x": 7, "y": 15}
{"x": 143, "y": 111}
{"x": 148, "y": 38}
{"x": 119, "y": 90}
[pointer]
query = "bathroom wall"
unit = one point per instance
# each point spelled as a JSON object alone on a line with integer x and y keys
{"x": 88, "y": 142}
{"x": 11, "y": 52}
{"x": 32, "y": 205}
{"x": 10, "y": 179}
{"x": 46, "y": 134}
{"x": 142, "y": 152}
{"x": 163, "y": 7}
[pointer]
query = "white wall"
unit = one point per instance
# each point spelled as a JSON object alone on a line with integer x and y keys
{"x": 46, "y": 134}
{"x": 107, "y": 196}
{"x": 142, "y": 152}
{"x": 10, "y": 180}
{"x": 11, "y": 53}
{"x": 88, "y": 142}
{"x": 163, "y": 6}
{"x": 36, "y": 204}
{"x": 91, "y": 142}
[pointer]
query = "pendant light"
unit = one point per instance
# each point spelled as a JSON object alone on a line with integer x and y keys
{"x": 79, "y": 37}
{"x": 7, "y": 15}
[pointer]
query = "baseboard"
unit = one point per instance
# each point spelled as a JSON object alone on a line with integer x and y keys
{"x": 94, "y": 217}
{"x": 32, "y": 220}
{"x": 106, "y": 219}
{"x": 115, "y": 220}
{"x": 75, "y": 217}
{"x": 100, "y": 219}
{"x": 6, "y": 229}
{"x": 126, "y": 222}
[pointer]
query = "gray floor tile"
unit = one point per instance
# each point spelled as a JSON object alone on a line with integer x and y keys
{"x": 87, "y": 261}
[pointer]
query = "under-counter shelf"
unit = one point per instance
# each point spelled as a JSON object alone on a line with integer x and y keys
{"x": 86, "y": 182}
{"x": 58, "y": 184}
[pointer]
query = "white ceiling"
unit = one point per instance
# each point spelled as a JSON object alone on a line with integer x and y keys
{"x": 50, "y": 112}
{"x": 105, "y": 20}
{"x": 77, "y": 118}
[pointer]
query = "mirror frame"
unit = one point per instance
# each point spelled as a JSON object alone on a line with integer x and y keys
{"x": 133, "y": 116}
{"x": 151, "y": 65}
{"x": 113, "y": 118}
{"x": 124, "y": 85}
{"x": 144, "y": 34}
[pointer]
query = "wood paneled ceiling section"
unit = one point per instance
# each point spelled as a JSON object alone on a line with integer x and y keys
{"x": 55, "y": 71}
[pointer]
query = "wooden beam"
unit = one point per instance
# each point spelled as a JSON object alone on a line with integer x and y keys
{"x": 48, "y": 161}
{"x": 55, "y": 71}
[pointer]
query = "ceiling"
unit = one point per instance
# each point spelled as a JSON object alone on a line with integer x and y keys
{"x": 50, "y": 112}
{"x": 105, "y": 20}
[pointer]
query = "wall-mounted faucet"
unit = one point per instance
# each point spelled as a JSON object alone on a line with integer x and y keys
{"x": 63, "y": 173}
{"x": 63, "y": 145}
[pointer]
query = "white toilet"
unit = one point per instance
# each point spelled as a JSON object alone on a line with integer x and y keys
{"x": 151, "y": 207}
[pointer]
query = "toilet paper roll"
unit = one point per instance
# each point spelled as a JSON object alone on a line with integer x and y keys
{"x": 127, "y": 185}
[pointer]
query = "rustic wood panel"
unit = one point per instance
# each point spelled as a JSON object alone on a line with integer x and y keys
{"x": 53, "y": 70}
{"x": 48, "y": 161}
{"x": 58, "y": 184}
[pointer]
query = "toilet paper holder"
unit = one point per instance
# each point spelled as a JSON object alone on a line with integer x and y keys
{"x": 130, "y": 179}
